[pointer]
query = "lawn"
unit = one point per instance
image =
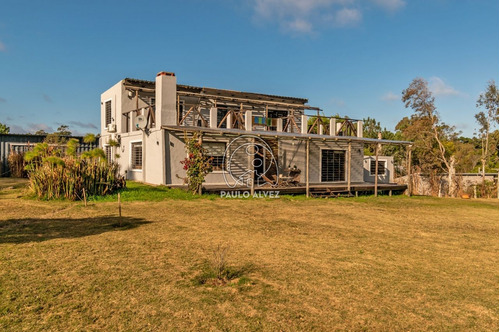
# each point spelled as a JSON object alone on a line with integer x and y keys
{"x": 386, "y": 263}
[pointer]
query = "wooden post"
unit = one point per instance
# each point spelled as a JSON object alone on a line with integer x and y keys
{"x": 349, "y": 167}
{"x": 200, "y": 140}
{"x": 136, "y": 102}
{"x": 178, "y": 110}
{"x": 120, "y": 209}
{"x": 252, "y": 168}
{"x": 376, "y": 165}
{"x": 409, "y": 171}
{"x": 307, "y": 168}
{"x": 84, "y": 197}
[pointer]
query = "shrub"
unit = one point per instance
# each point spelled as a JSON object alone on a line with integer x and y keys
{"x": 197, "y": 164}
{"x": 57, "y": 172}
{"x": 17, "y": 164}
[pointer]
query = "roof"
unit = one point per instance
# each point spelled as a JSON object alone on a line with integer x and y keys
{"x": 219, "y": 92}
{"x": 239, "y": 132}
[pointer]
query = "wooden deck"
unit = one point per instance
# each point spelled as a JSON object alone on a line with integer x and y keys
{"x": 315, "y": 189}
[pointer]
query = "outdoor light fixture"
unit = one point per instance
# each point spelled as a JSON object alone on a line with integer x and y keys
{"x": 130, "y": 93}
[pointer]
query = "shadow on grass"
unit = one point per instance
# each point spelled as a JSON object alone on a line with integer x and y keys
{"x": 38, "y": 230}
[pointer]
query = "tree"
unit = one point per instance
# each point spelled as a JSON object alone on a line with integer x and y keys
{"x": 41, "y": 132}
{"x": 487, "y": 120}
{"x": 433, "y": 139}
{"x": 4, "y": 129}
{"x": 63, "y": 130}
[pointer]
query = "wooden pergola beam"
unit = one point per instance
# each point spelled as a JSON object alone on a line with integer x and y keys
{"x": 248, "y": 100}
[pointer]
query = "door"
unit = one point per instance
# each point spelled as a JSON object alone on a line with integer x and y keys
{"x": 332, "y": 165}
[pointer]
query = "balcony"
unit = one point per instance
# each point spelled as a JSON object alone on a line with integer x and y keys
{"x": 250, "y": 120}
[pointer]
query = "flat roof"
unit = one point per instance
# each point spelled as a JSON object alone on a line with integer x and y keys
{"x": 239, "y": 132}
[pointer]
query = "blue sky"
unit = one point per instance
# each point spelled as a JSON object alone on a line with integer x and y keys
{"x": 352, "y": 57}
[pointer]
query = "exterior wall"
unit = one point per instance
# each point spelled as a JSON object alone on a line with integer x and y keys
{"x": 122, "y": 103}
{"x": 293, "y": 153}
{"x": 388, "y": 176}
{"x": 176, "y": 152}
{"x": 290, "y": 153}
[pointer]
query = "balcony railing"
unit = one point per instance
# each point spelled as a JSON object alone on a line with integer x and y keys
{"x": 293, "y": 123}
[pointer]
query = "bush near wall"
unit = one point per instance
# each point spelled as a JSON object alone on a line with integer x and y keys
{"x": 17, "y": 165}
{"x": 56, "y": 172}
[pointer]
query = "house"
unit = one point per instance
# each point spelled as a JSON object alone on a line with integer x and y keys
{"x": 254, "y": 140}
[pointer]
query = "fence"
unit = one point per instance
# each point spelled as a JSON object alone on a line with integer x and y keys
{"x": 20, "y": 143}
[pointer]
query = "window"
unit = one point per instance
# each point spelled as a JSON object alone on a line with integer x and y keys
{"x": 108, "y": 151}
{"x": 381, "y": 167}
{"x": 107, "y": 111}
{"x": 332, "y": 165}
{"x": 277, "y": 114}
{"x": 216, "y": 151}
{"x": 152, "y": 103}
{"x": 136, "y": 151}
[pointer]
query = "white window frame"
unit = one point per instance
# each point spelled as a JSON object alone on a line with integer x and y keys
{"x": 321, "y": 164}
{"x": 225, "y": 166}
{"x": 131, "y": 155}
{"x": 104, "y": 107}
{"x": 380, "y": 161}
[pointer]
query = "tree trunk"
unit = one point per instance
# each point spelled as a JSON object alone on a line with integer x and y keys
{"x": 451, "y": 178}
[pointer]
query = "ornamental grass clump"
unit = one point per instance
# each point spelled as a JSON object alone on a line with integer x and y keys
{"x": 58, "y": 172}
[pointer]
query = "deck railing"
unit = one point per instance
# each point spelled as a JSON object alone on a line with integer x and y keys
{"x": 250, "y": 121}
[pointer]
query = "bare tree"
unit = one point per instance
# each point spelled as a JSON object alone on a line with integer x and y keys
{"x": 488, "y": 100}
{"x": 419, "y": 98}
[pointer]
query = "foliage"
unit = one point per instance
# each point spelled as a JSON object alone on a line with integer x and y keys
{"x": 197, "y": 164}
{"x": 57, "y": 172}
{"x": 371, "y": 128}
{"x": 434, "y": 141}
{"x": 63, "y": 130}
{"x": 488, "y": 120}
{"x": 4, "y": 129}
{"x": 41, "y": 132}
{"x": 89, "y": 138}
{"x": 312, "y": 121}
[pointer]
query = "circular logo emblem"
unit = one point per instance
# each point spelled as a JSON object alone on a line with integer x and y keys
{"x": 250, "y": 159}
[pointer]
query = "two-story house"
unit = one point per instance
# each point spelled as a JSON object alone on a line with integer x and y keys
{"x": 253, "y": 139}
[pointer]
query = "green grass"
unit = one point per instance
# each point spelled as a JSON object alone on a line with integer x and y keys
{"x": 367, "y": 263}
{"x": 136, "y": 191}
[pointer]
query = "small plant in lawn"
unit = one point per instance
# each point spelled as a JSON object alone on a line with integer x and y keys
{"x": 197, "y": 164}
{"x": 217, "y": 270}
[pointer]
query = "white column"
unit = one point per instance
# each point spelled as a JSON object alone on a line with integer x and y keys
{"x": 339, "y": 125}
{"x": 213, "y": 117}
{"x": 303, "y": 124}
{"x": 360, "y": 129}
{"x": 165, "y": 99}
{"x": 320, "y": 131}
{"x": 248, "y": 120}
{"x": 333, "y": 127}
{"x": 229, "y": 120}
{"x": 279, "y": 125}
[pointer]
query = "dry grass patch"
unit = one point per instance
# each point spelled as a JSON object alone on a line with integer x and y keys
{"x": 368, "y": 263}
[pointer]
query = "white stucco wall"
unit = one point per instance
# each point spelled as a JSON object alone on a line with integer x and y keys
{"x": 387, "y": 177}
